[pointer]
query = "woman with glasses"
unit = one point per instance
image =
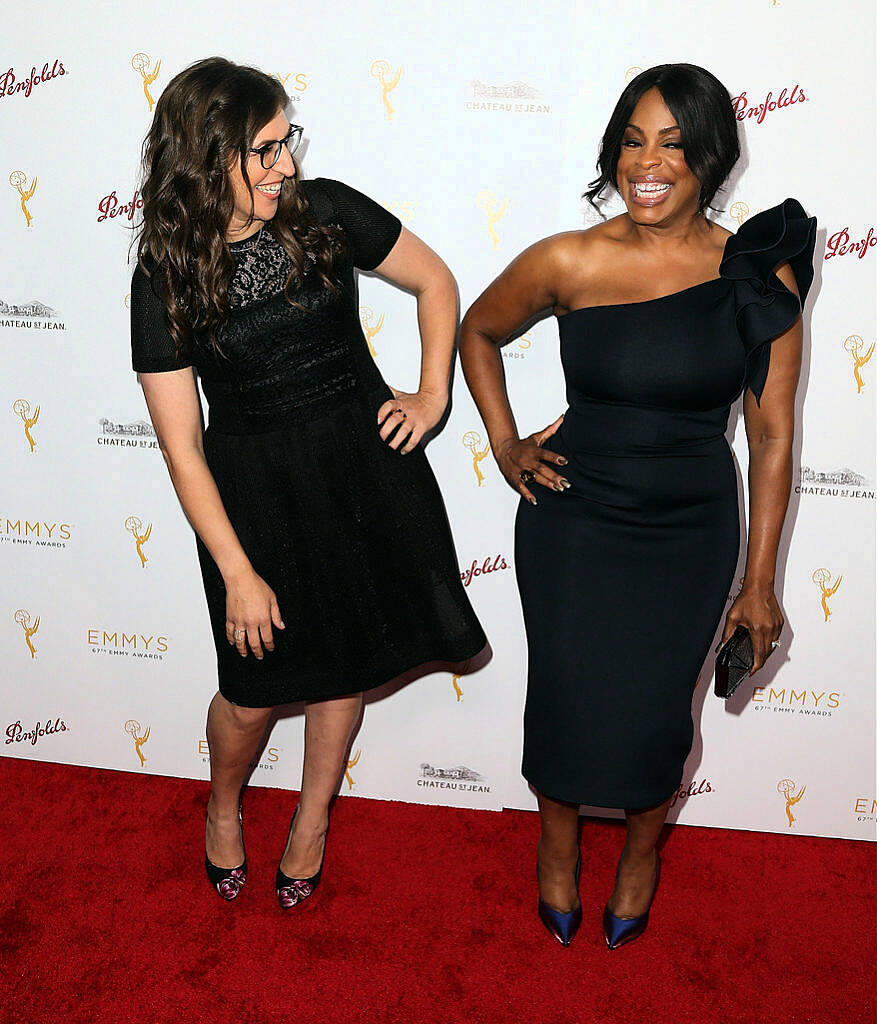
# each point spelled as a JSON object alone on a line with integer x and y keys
{"x": 325, "y": 553}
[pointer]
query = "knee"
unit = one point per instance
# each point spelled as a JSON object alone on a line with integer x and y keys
{"x": 248, "y": 719}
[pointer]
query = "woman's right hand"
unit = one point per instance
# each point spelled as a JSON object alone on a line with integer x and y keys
{"x": 526, "y": 455}
{"x": 250, "y": 610}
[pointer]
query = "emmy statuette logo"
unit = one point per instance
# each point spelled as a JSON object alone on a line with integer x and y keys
{"x": 739, "y": 211}
{"x": 22, "y": 617}
{"x": 18, "y": 180}
{"x": 631, "y": 73}
{"x": 21, "y": 408}
{"x": 352, "y": 763}
{"x": 490, "y": 206}
{"x": 822, "y": 579}
{"x": 472, "y": 442}
{"x": 855, "y": 346}
{"x": 135, "y": 731}
{"x": 134, "y": 526}
{"x": 370, "y": 329}
{"x": 140, "y": 62}
{"x": 381, "y": 70}
{"x": 786, "y": 788}
{"x": 455, "y": 682}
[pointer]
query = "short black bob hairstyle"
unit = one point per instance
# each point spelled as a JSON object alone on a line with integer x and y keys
{"x": 703, "y": 110}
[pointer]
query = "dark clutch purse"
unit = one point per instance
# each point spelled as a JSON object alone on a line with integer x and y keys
{"x": 734, "y": 662}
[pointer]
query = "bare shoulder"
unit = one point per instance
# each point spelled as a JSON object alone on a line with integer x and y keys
{"x": 572, "y": 252}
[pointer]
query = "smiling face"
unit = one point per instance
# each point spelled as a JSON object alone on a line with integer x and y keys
{"x": 266, "y": 184}
{"x": 652, "y": 175}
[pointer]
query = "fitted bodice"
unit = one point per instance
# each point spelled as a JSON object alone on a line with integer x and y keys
{"x": 277, "y": 362}
{"x": 662, "y": 374}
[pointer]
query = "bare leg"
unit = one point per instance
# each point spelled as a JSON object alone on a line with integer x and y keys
{"x": 328, "y": 724}
{"x": 636, "y": 867}
{"x": 557, "y": 853}
{"x": 233, "y": 735}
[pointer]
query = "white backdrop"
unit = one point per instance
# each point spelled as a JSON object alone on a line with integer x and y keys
{"x": 479, "y": 128}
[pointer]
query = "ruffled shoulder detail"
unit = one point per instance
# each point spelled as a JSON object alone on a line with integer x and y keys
{"x": 764, "y": 305}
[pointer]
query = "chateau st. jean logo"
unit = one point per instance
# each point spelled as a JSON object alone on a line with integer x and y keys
{"x": 33, "y": 316}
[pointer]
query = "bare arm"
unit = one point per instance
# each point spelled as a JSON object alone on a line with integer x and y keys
{"x": 412, "y": 265}
{"x": 529, "y": 285}
{"x": 770, "y": 430}
{"x": 172, "y": 399}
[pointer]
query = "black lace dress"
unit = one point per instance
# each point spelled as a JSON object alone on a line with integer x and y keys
{"x": 351, "y": 535}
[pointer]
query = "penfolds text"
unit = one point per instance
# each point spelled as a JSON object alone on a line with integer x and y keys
{"x": 9, "y": 85}
{"x": 15, "y": 733}
{"x": 746, "y": 109}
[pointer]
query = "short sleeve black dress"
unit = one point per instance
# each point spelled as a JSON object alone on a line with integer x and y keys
{"x": 351, "y": 535}
{"x": 624, "y": 577}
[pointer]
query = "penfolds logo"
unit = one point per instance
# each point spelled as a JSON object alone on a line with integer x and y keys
{"x": 15, "y": 733}
{"x": 9, "y": 85}
{"x": 694, "y": 788}
{"x": 110, "y": 207}
{"x": 839, "y": 244}
{"x": 746, "y": 109}
{"x": 484, "y": 568}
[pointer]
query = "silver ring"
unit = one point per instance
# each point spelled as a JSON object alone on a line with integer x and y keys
{"x": 239, "y": 634}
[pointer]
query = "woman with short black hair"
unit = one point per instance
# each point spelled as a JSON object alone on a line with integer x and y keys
{"x": 625, "y": 559}
{"x": 326, "y": 557}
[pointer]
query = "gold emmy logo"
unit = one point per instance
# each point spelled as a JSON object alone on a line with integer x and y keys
{"x": 127, "y": 300}
{"x": 739, "y": 211}
{"x": 133, "y": 729}
{"x": 786, "y": 788}
{"x": 489, "y": 205}
{"x": 135, "y": 527}
{"x": 456, "y": 683}
{"x": 140, "y": 62}
{"x": 23, "y": 619}
{"x": 380, "y": 70}
{"x": 18, "y": 180}
{"x": 631, "y": 73}
{"x": 370, "y": 329}
{"x": 822, "y": 579}
{"x": 472, "y": 441}
{"x": 300, "y": 81}
{"x": 21, "y": 408}
{"x": 352, "y": 763}
{"x": 854, "y": 345}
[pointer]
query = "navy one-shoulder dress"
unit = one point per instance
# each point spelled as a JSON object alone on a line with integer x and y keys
{"x": 624, "y": 578}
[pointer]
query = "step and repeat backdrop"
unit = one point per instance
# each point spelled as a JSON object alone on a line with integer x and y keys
{"x": 478, "y": 125}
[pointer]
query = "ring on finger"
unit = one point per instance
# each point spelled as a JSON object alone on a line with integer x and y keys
{"x": 527, "y": 476}
{"x": 239, "y": 634}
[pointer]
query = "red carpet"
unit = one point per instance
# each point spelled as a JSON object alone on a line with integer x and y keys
{"x": 424, "y": 915}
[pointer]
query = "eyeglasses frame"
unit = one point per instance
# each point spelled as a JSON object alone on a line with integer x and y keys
{"x": 292, "y": 140}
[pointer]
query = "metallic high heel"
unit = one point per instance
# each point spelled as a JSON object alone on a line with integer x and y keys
{"x": 562, "y": 926}
{"x": 292, "y": 891}
{"x": 618, "y": 931}
{"x": 228, "y": 882}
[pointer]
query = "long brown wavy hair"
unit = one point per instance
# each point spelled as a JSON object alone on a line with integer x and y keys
{"x": 206, "y": 118}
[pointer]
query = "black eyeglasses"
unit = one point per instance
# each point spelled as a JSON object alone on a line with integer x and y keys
{"x": 269, "y": 154}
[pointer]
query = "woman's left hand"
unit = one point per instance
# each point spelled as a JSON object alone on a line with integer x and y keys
{"x": 408, "y": 417}
{"x": 759, "y": 611}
